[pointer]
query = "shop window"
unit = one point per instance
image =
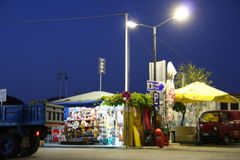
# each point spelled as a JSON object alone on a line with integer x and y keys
{"x": 234, "y": 106}
{"x": 58, "y": 116}
{"x": 224, "y": 106}
{"x": 49, "y": 116}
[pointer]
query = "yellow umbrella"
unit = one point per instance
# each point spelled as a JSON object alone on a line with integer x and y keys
{"x": 198, "y": 91}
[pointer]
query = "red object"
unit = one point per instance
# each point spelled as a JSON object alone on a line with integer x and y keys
{"x": 126, "y": 95}
{"x": 146, "y": 119}
{"x": 159, "y": 137}
{"x": 55, "y": 133}
{"x": 37, "y": 133}
{"x": 166, "y": 142}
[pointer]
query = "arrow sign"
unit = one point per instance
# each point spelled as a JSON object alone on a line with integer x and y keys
{"x": 155, "y": 86}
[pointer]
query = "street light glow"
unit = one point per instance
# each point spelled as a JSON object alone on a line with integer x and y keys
{"x": 181, "y": 13}
{"x": 131, "y": 24}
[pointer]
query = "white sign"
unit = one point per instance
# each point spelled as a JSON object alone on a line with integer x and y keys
{"x": 3, "y": 95}
{"x": 155, "y": 86}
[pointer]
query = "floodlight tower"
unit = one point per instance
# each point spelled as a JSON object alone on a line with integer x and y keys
{"x": 101, "y": 70}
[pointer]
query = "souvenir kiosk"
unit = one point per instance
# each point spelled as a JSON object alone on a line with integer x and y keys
{"x": 89, "y": 122}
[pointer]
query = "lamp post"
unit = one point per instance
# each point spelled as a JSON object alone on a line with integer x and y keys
{"x": 181, "y": 13}
{"x": 126, "y": 55}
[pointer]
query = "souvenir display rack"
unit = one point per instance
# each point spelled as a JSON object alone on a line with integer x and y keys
{"x": 96, "y": 125}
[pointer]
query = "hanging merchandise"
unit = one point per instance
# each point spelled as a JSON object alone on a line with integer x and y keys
{"x": 94, "y": 125}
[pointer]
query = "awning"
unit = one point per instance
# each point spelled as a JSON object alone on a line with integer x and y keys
{"x": 86, "y": 99}
{"x": 198, "y": 91}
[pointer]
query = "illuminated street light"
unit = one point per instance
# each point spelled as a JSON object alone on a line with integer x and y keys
{"x": 132, "y": 24}
{"x": 181, "y": 13}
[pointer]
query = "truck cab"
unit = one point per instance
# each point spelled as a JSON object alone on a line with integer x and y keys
{"x": 219, "y": 126}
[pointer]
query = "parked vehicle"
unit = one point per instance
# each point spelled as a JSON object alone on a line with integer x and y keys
{"x": 220, "y": 126}
{"x": 23, "y": 126}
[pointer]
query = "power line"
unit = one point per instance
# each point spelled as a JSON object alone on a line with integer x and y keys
{"x": 166, "y": 45}
{"x": 62, "y": 19}
{"x": 174, "y": 51}
{"x": 190, "y": 61}
{"x": 226, "y": 84}
{"x": 145, "y": 44}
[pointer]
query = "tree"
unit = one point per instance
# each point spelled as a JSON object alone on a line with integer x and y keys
{"x": 180, "y": 107}
{"x": 188, "y": 73}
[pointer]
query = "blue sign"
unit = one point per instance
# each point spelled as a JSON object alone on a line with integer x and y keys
{"x": 156, "y": 99}
{"x": 155, "y": 86}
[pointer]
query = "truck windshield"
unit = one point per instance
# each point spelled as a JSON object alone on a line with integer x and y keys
{"x": 210, "y": 117}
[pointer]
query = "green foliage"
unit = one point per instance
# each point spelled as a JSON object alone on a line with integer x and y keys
{"x": 140, "y": 100}
{"x": 188, "y": 73}
{"x": 114, "y": 100}
{"x": 179, "y": 107}
{"x": 136, "y": 100}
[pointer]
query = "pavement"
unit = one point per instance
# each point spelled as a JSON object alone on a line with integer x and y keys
{"x": 172, "y": 146}
{"x": 58, "y": 145}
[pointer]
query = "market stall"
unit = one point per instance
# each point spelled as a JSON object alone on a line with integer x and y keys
{"x": 89, "y": 122}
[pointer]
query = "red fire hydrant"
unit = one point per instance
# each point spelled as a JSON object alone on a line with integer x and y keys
{"x": 159, "y": 137}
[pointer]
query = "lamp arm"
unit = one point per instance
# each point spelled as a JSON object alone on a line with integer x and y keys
{"x": 144, "y": 25}
{"x": 170, "y": 18}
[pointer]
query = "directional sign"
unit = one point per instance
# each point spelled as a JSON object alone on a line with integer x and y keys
{"x": 155, "y": 86}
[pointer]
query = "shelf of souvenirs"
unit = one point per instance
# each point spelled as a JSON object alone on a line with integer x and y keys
{"x": 82, "y": 119}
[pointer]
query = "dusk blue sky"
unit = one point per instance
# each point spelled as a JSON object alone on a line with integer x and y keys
{"x": 31, "y": 52}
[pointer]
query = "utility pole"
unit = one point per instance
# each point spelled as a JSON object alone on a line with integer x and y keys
{"x": 59, "y": 78}
{"x": 61, "y": 75}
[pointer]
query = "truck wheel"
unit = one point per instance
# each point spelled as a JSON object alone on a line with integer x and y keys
{"x": 34, "y": 144}
{"x": 9, "y": 146}
{"x": 226, "y": 139}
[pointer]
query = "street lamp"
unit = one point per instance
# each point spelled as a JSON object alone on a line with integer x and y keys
{"x": 181, "y": 13}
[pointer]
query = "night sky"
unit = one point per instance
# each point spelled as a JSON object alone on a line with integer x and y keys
{"x": 37, "y": 36}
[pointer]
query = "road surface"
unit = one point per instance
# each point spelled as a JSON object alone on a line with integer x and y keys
{"x": 181, "y": 152}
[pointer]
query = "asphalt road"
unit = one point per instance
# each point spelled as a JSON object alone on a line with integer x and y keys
{"x": 173, "y": 152}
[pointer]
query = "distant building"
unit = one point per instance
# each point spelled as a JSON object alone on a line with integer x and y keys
{"x": 13, "y": 101}
{"x": 231, "y": 106}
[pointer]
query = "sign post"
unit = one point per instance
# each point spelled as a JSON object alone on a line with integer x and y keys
{"x": 126, "y": 96}
{"x": 156, "y": 87}
{"x": 3, "y": 98}
{"x": 3, "y": 95}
